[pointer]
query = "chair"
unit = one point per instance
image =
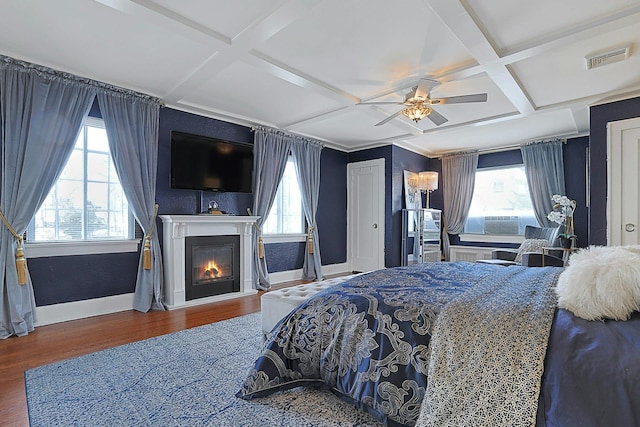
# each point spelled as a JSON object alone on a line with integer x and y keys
{"x": 530, "y": 253}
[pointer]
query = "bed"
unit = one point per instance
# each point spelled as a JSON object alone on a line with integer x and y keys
{"x": 455, "y": 344}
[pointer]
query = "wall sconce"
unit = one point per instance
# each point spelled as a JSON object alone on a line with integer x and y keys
{"x": 428, "y": 182}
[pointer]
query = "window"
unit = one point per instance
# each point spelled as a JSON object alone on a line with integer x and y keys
{"x": 501, "y": 202}
{"x": 286, "y": 216}
{"x": 87, "y": 202}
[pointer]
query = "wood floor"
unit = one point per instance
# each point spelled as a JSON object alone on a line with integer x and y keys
{"x": 52, "y": 343}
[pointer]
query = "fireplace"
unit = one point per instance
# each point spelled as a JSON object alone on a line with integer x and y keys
{"x": 212, "y": 266}
{"x": 176, "y": 229}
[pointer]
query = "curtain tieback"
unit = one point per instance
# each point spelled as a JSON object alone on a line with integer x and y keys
{"x": 21, "y": 261}
{"x": 260, "y": 242}
{"x": 146, "y": 252}
{"x": 310, "y": 240}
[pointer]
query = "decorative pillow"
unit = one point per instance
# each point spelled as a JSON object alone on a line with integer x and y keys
{"x": 601, "y": 282}
{"x": 530, "y": 245}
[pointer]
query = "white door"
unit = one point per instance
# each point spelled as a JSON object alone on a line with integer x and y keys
{"x": 365, "y": 215}
{"x": 623, "y": 161}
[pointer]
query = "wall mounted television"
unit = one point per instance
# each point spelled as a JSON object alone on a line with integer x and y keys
{"x": 210, "y": 164}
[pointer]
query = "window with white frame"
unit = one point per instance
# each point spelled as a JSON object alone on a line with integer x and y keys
{"x": 286, "y": 215}
{"x": 501, "y": 203}
{"x": 87, "y": 202}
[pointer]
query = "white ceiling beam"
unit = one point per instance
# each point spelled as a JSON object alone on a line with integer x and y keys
{"x": 298, "y": 78}
{"x": 243, "y": 48}
{"x": 462, "y": 25}
{"x": 148, "y": 11}
{"x": 567, "y": 37}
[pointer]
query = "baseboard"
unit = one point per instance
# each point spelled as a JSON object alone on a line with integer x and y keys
{"x": 291, "y": 275}
{"x": 56, "y": 313}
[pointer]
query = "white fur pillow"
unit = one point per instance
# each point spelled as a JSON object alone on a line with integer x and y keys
{"x": 601, "y": 282}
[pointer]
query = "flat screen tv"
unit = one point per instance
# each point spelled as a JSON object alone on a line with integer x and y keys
{"x": 210, "y": 164}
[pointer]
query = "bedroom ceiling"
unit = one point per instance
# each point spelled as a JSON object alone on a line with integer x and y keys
{"x": 303, "y": 65}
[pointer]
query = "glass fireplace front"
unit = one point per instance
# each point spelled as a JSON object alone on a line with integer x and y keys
{"x": 212, "y": 266}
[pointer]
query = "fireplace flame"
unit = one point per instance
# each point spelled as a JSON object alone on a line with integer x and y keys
{"x": 211, "y": 270}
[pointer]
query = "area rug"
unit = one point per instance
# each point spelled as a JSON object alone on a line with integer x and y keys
{"x": 187, "y": 378}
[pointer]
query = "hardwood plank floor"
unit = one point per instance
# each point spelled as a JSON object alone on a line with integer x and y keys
{"x": 52, "y": 343}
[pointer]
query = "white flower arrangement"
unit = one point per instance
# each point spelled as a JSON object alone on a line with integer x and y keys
{"x": 563, "y": 216}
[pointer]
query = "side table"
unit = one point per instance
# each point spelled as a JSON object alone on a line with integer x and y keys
{"x": 566, "y": 252}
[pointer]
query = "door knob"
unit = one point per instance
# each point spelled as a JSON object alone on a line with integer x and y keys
{"x": 375, "y": 225}
{"x": 630, "y": 227}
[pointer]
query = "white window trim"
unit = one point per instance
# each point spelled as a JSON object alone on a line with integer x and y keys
{"x": 84, "y": 247}
{"x": 491, "y": 238}
{"x": 284, "y": 238}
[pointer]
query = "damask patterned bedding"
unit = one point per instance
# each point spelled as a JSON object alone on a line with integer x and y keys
{"x": 368, "y": 339}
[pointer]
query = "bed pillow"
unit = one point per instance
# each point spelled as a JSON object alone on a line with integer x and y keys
{"x": 601, "y": 282}
{"x": 530, "y": 245}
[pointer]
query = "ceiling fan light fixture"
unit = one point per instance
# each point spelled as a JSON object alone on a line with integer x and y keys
{"x": 417, "y": 111}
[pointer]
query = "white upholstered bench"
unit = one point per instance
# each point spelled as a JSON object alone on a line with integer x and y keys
{"x": 274, "y": 305}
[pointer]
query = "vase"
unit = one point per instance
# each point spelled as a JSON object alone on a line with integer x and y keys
{"x": 565, "y": 242}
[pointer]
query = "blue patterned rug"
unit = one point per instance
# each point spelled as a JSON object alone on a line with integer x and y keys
{"x": 188, "y": 378}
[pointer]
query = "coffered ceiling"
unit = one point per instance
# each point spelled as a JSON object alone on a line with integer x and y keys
{"x": 304, "y": 65}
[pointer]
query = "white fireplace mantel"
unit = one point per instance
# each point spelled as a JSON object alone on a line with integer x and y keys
{"x": 177, "y": 227}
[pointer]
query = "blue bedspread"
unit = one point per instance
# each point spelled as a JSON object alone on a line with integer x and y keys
{"x": 592, "y": 373}
{"x": 366, "y": 339}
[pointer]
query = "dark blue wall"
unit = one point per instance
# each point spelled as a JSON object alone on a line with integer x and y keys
{"x": 600, "y": 115}
{"x": 575, "y": 182}
{"x": 397, "y": 160}
{"x": 74, "y": 278}
{"x": 386, "y": 154}
{"x": 332, "y": 206}
{"x": 501, "y": 158}
{"x": 405, "y": 160}
{"x": 575, "y": 157}
{"x": 177, "y": 202}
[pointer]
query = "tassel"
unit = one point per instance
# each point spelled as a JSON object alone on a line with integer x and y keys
{"x": 21, "y": 266}
{"x": 260, "y": 248}
{"x": 310, "y": 243}
{"x": 146, "y": 254}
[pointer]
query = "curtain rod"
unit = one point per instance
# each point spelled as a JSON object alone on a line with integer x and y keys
{"x": 287, "y": 134}
{"x": 507, "y": 147}
{"x": 52, "y": 73}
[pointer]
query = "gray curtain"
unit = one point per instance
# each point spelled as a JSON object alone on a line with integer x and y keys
{"x": 41, "y": 112}
{"x": 458, "y": 181}
{"x": 131, "y": 121}
{"x": 544, "y": 167}
{"x": 306, "y": 155}
{"x": 270, "y": 153}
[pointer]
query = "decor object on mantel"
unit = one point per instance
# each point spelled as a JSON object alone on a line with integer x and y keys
{"x": 214, "y": 209}
{"x": 564, "y": 216}
{"x": 428, "y": 182}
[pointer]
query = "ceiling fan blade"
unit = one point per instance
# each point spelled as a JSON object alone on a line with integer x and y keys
{"x": 476, "y": 97}
{"x": 391, "y": 117}
{"x": 424, "y": 87}
{"x": 380, "y": 103}
{"x": 437, "y": 118}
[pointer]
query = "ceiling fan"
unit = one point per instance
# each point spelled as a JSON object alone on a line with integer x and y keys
{"x": 418, "y": 103}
